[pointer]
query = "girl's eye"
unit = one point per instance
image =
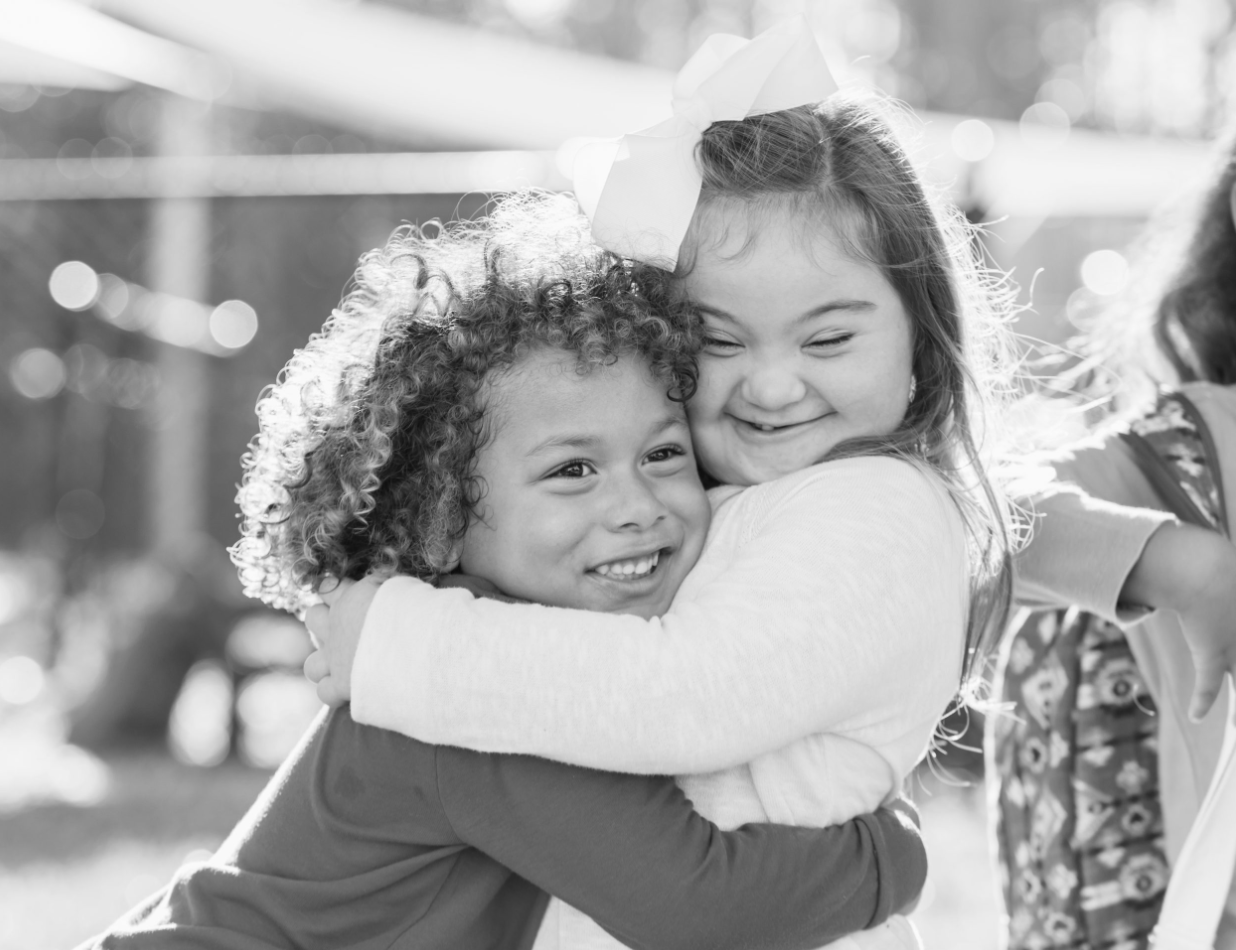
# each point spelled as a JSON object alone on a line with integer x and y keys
{"x": 575, "y": 469}
{"x": 666, "y": 453}
{"x": 719, "y": 344}
{"x": 832, "y": 341}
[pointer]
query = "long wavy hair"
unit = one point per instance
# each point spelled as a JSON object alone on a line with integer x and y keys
{"x": 1176, "y": 320}
{"x": 365, "y": 457}
{"x": 840, "y": 163}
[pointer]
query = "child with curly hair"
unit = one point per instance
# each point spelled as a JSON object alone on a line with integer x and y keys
{"x": 858, "y": 565}
{"x": 506, "y": 399}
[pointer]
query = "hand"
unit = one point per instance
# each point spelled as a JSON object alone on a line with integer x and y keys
{"x": 1192, "y": 571}
{"x": 909, "y": 817}
{"x": 905, "y": 808}
{"x": 335, "y": 627}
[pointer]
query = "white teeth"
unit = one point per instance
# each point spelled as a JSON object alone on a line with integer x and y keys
{"x": 635, "y": 567}
{"x": 762, "y": 427}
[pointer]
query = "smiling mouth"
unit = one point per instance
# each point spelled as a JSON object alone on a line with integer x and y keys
{"x": 631, "y": 569}
{"x": 769, "y": 427}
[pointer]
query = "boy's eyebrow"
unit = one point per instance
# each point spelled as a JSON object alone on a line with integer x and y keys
{"x": 851, "y": 304}
{"x": 591, "y": 441}
{"x": 564, "y": 441}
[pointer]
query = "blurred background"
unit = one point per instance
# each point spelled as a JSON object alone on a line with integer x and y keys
{"x": 185, "y": 187}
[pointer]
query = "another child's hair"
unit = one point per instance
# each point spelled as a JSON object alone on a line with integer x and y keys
{"x": 364, "y": 461}
{"x": 841, "y": 163}
{"x": 1183, "y": 295}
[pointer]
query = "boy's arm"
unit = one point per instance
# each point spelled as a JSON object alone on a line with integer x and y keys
{"x": 630, "y": 852}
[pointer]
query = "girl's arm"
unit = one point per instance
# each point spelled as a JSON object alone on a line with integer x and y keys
{"x": 847, "y": 603}
{"x": 1120, "y": 561}
{"x": 631, "y": 853}
{"x": 1082, "y": 549}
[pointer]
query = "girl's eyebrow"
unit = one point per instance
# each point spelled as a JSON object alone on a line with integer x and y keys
{"x": 851, "y": 305}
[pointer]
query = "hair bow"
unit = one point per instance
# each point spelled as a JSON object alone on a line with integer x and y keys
{"x": 641, "y": 190}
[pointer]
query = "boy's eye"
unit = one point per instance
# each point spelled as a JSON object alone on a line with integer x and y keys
{"x": 574, "y": 469}
{"x": 666, "y": 452}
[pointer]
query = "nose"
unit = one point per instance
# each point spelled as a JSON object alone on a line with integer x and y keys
{"x": 634, "y": 504}
{"x": 772, "y": 384}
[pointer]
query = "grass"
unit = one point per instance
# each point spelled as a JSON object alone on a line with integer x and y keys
{"x": 72, "y": 859}
{"x": 83, "y": 839}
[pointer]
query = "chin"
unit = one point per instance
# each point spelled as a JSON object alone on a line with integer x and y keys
{"x": 756, "y": 471}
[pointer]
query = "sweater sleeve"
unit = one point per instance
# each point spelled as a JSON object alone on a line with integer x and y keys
{"x": 631, "y": 853}
{"x": 1089, "y": 532}
{"x": 846, "y": 604}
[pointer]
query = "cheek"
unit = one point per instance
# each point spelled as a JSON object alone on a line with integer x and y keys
{"x": 717, "y": 380}
{"x": 703, "y": 417}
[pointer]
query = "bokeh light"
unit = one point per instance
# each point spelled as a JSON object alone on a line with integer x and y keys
{"x": 131, "y": 383}
{"x": 15, "y": 595}
{"x": 1044, "y": 126}
{"x": 872, "y": 30}
{"x": 197, "y": 856}
{"x": 113, "y": 296}
{"x": 111, "y": 157}
{"x": 199, "y": 730}
{"x": 973, "y": 140}
{"x": 86, "y": 366}
{"x": 17, "y": 97}
{"x": 80, "y": 514}
{"x": 233, "y": 324}
{"x": 37, "y": 373}
{"x": 1081, "y": 305}
{"x": 274, "y": 710}
{"x": 176, "y": 320}
{"x": 1105, "y": 272}
{"x": 1066, "y": 94}
{"x": 21, "y": 680}
{"x": 69, "y": 159}
{"x": 538, "y": 12}
{"x": 74, "y": 285}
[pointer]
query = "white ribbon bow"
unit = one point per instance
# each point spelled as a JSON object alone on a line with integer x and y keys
{"x": 640, "y": 191}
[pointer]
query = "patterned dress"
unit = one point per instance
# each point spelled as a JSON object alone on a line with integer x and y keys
{"x": 1079, "y": 826}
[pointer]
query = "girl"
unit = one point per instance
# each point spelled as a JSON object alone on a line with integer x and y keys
{"x": 859, "y": 550}
{"x": 431, "y": 373}
{"x": 1184, "y": 319}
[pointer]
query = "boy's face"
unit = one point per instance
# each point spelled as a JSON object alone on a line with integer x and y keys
{"x": 592, "y": 499}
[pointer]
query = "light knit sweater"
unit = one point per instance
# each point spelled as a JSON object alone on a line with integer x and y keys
{"x": 797, "y": 678}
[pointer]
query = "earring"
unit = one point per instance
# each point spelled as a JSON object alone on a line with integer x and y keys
{"x": 913, "y": 389}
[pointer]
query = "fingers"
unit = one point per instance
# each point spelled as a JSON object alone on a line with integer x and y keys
{"x": 330, "y": 693}
{"x": 317, "y": 622}
{"x": 316, "y": 667}
{"x": 906, "y": 809}
{"x": 331, "y": 592}
{"x": 1206, "y": 688}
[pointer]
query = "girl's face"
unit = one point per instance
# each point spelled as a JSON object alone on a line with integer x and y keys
{"x": 592, "y": 496}
{"x": 805, "y": 348}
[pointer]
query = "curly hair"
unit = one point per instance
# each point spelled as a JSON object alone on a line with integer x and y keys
{"x": 840, "y": 162}
{"x": 365, "y": 457}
